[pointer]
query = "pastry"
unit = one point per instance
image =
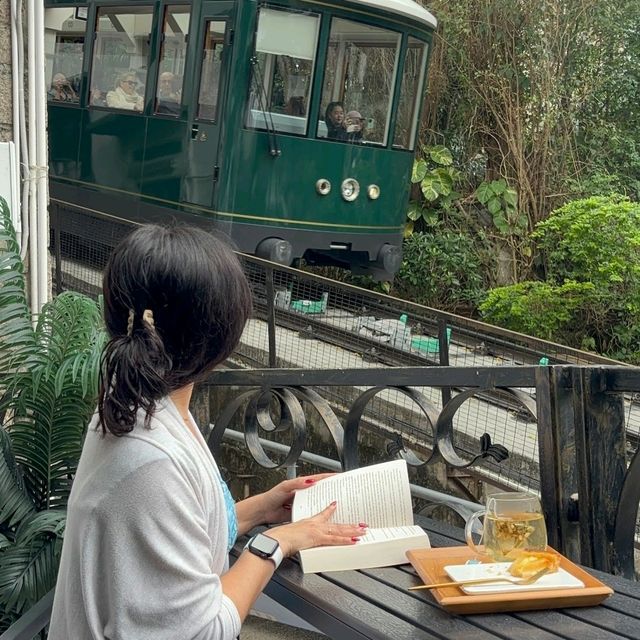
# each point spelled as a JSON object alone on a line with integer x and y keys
{"x": 528, "y": 563}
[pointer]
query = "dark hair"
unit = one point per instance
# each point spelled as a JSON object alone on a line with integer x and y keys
{"x": 295, "y": 106}
{"x": 199, "y": 298}
{"x": 327, "y": 114}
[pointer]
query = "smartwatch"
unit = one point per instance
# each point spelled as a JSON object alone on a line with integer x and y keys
{"x": 265, "y": 547}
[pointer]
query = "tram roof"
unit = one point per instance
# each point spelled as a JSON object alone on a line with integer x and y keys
{"x": 407, "y": 8}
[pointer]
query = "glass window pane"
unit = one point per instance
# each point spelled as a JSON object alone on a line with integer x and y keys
{"x": 120, "y": 58}
{"x": 64, "y": 49}
{"x": 172, "y": 57}
{"x": 410, "y": 94}
{"x": 358, "y": 83}
{"x": 210, "y": 74}
{"x": 282, "y": 74}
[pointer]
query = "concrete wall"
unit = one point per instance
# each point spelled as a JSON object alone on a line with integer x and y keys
{"x": 6, "y": 130}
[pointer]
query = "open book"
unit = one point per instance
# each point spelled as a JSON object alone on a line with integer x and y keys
{"x": 378, "y": 495}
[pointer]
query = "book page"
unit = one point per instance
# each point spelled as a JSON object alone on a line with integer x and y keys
{"x": 390, "y": 533}
{"x": 378, "y": 495}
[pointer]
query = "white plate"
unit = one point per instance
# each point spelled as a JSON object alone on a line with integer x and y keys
{"x": 561, "y": 579}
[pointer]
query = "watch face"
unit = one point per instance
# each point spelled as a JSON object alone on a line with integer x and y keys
{"x": 264, "y": 545}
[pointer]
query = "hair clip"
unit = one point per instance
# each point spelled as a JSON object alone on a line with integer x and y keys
{"x": 147, "y": 316}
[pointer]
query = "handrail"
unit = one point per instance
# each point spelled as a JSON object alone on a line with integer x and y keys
{"x": 33, "y": 621}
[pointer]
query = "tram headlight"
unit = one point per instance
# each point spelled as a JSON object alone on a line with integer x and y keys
{"x": 323, "y": 186}
{"x": 373, "y": 191}
{"x": 350, "y": 189}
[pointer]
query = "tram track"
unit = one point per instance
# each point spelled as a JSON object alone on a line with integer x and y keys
{"x": 370, "y": 349}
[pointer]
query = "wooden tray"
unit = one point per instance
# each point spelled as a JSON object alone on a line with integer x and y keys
{"x": 429, "y": 564}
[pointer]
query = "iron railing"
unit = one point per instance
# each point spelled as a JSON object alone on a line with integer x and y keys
{"x": 589, "y": 489}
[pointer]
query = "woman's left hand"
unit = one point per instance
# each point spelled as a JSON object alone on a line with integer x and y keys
{"x": 276, "y": 503}
{"x": 273, "y": 506}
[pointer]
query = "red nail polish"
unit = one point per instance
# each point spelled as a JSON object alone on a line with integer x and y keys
{"x": 309, "y": 481}
{"x": 287, "y": 507}
{"x": 355, "y": 539}
{"x": 363, "y": 525}
{"x": 334, "y": 503}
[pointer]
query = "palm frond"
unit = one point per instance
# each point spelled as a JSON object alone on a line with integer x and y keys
{"x": 15, "y": 502}
{"x": 47, "y": 431}
{"x": 50, "y": 400}
{"x": 28, "y": 568}
{"x": 50, "y": 521}
{"x": 27, "y": 573}
{"x": 16, "y": 333}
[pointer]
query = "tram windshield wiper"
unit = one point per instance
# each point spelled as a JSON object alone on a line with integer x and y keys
{"x": 258, "y": 79}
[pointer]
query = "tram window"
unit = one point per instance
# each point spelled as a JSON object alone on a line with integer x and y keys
{"x": 172, "y": 56}
{"x": 358, "y": 82}
{"x": 64, "y": 49}
{"x": 282, "y": 73}
{"x": 413, "y": 73}
{"x": 210, "y": 73}
{"x": 120, "y": 57}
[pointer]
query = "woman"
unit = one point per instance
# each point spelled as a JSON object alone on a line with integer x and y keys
{"x": 125, "y": 96}
{"x": 334, "y": 119}
{"x": 150, "y": 521}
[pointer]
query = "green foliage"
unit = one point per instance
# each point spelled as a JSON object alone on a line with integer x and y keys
{"x": 439, "y": 269}
{"x": 592, "y": 295}
{"x": 596, "y": 240}
{"x": 502, "y": 203}
{"x": 541, "y": 309}
{"x": 48, "y": 390}
{"x": 436, "y": 176}
{"x": 545, "y": 96}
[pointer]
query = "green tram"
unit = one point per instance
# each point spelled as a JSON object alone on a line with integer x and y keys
{"x": 289, "y": 124}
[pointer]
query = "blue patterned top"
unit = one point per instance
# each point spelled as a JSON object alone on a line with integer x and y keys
{"x": 232, "y": 518}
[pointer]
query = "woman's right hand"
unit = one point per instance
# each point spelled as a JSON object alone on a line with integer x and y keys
{"x": 316, "y": 531}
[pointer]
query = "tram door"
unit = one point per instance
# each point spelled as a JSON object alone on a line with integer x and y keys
{"x": 205, "y": 110}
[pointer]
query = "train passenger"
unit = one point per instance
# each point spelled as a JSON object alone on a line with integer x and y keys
{"x": 150, "y": 519}
{"x": 295, "y": 106}
{"x": 61, "y": 89}
{"x": 125, "y": 96}
{"x": 168, "y": 97}
{"x": 354, "y": 123}
{"x": 334, "y": 119}
{"x": 97, "y": 98}
{"x": 167, "y": 87}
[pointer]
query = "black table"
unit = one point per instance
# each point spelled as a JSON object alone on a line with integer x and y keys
{"x": 375, "y": 604}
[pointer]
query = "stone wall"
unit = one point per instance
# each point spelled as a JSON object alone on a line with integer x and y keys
{"x": 6, "y": 127}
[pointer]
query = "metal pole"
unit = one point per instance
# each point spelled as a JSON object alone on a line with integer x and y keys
{"x": 271, "y": 317}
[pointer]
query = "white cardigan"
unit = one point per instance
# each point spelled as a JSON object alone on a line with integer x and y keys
{"x": 146, "y": 539}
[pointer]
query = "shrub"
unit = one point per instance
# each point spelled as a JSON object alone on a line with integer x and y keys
{"x": 440, "y": 269}
{"x": 541, "y": 309}
{"x": 593, "y": 240}
{"x": 591, "y": 298}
